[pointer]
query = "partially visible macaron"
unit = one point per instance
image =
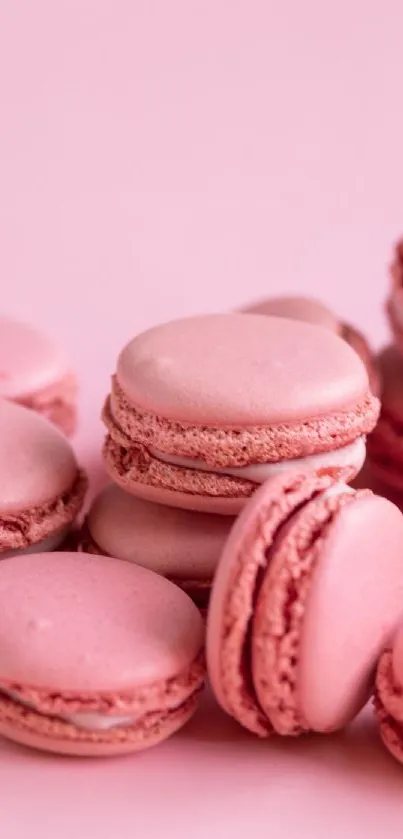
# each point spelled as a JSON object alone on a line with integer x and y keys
{"x": 385, "y": 444}
{"x": 313, "y": 311}
{"x": 97, "y": 656}
{"x": 301, "y": 605}
{"x": 35, "y": 373}
{"x": 394, "y": 303}
{"x": 42, "y": 488}
{"x": 388, "y": 699}
{"x": 204, "y": 409}
{"x": 182, "y": 545}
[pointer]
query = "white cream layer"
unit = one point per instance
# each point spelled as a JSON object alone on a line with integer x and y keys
{"x": 351, "y": 455}
{"x": 49, "y": 544}
{"x": 88, "y": 720}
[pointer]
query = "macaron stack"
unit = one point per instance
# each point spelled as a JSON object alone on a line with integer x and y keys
{"x": 385, "y": 445}
{"x": 230, "y": 535}
{"x": 204, "y": 410}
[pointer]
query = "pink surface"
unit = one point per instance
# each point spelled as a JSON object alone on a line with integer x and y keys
{"x": 160, "y": 159}
{"x": 203, "y": 371}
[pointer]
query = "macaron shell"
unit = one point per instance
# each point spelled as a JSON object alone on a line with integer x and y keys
{"x": 170, "y": 541}
{"x": 243, "y": 562}
{"x": 240, "y": 370}
{"x": 57, "y": 403}
{"x": 30, "y": 360}
{"x": 354, "y": 604}
{"x": 207, "y": 504}
{"x": 37, "y": 464}
{"x": 306, "y": 309}
{"x": 122, "y": 637}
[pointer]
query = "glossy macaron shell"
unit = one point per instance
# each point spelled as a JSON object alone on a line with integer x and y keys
{"x": 179, "y": 544}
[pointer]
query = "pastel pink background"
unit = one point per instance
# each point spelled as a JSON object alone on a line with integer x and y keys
{"x": 158, "y": 158}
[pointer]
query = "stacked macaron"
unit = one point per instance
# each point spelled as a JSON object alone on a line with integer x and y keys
{"x": 385, "y": 445}
{"x": 231, "y": 441}
{"x": 204, "y": 410}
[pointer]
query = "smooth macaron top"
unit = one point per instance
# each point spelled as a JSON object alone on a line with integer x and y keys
{"x": 37, "y": 464}
{"x": 30, "y": 360}
{"x": 306, "y": 309}
{"x": 240, "y": 370}
{"x": 173, "y": 542}
{"x": 77, "y": 622}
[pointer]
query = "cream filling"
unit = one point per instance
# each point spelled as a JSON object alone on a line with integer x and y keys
{"x": 351, "y": 455}
{"x": 49, "y": 544}
{"x": 88, "y": 720}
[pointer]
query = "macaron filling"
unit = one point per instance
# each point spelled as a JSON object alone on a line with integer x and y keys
{"x": 351, "y": 455}
{"x": 87, "y": 720}
{"x": 30, "y": 707}
{"x": 51, "y": 543}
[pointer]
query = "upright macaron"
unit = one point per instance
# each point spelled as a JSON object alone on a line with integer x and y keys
{"x": 182, "y": 545}
{"x": 385, "y": 444}
{"x": 97, "y": 656}
{"x": 388, "y": 699}
{"x": 42, "y": 488}
{"x": 302, "y": 606}
{"x": 203, "y": 410}
{"x": 34, "y": 372}
{"x": 311, "y": 310}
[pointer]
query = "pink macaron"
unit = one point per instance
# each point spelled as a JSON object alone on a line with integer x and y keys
{"x": 97, "y": 656}
{"x": 42, "y": 488}
{"x": 385, "y": 444}
{"x": 35, "y": 373}
{"x": 388, "y": 700}
{"x": 182, "y": 545}
{"x": 394, "y": 303}
{"x": 312, "y": 311}
{"x": 205, "y": 409}
{"x": 302, "y": 606}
